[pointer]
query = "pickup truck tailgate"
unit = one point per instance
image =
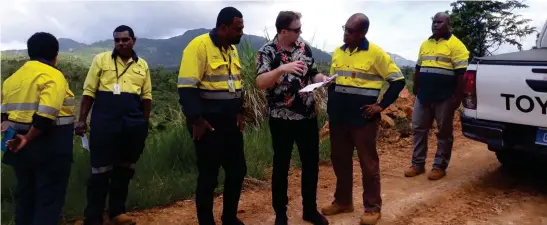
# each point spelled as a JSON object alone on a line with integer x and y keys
{"x": 512, "y": 92}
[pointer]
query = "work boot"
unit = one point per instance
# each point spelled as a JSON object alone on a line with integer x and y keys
{"x": 315, "y": 218}
{"x": 413, "y": 171}
{"x": 335, "y": 208}
{"x": 370, "y": 218}
{"x": 123, "y": 219}
{"x": 436, "y": 174}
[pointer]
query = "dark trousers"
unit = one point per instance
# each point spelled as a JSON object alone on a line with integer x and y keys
{"x": 42, "y": 169}
{"x": 41, "y": 192}
{"x": 344, "y": 139}
{"x": 113, "y": 155}
{"x": 422, "y": 120}
{"x": 221, "y": 147}
{"x": 306, "y": 135}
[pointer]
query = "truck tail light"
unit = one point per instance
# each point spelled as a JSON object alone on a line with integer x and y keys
{"x": 470, "y": 89}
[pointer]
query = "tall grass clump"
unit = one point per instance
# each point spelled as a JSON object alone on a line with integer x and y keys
{"x": 166, "y": 171}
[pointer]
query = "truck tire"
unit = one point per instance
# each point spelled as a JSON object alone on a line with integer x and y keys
{"x": 513, "y": 160}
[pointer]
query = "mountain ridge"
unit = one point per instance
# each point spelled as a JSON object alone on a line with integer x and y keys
{"x": 168, "y": 52}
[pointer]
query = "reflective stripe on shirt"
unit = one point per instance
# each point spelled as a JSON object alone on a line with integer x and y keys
{"x": 357, "y": 91}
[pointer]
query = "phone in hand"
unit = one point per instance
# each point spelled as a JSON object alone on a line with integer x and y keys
{"x": 8, "y": 135}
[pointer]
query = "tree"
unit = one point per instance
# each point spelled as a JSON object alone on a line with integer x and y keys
{"x": 483, "y": 26}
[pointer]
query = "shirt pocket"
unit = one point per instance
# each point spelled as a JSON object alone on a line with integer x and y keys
{"x": 443, "y": 55}
{"x": 236, "y": 68}
{"x": 364, "y": 72}
{"x": 108, "y": 77}
{"x": 137, "y": 77}
{"x": 425, "y": 51}
{"x": 218, "y": 68}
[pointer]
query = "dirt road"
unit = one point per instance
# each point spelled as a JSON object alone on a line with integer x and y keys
{"x": 475, "y": 191}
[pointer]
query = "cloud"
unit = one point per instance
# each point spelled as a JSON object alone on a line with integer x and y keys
{"x": 396, "y": 26}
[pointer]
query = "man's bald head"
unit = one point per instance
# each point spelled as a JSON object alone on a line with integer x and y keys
{"x": 355, "y": 29}
{"x": 441, "y": 24}
{"x": 361, "y": 20}
{"x": 443, "y": 16}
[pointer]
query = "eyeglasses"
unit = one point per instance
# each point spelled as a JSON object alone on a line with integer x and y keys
{"x": 296, "y": 30}
{"x": 116, "y": 40}
{"x": 350, "y": 30}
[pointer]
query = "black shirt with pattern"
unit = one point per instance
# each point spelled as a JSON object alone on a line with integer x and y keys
{"x": 284, "y": 101}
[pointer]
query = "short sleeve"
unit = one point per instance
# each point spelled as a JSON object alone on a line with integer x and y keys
{"x": 147, "y": 86}
{"x": 51, "y": 96}
{"x": 387, "y": 67}
{"x": 91, "y": 83}
{"x": 263, "y": 61}
{"x": 192, "y": 66}
{"x": 459, "y": 55}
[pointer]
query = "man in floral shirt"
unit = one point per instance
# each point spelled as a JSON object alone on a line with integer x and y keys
{"x": 285, "y": 65}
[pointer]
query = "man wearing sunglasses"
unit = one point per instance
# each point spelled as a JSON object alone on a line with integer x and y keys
{"x": 354, "y": 115}
{"x": 119, "y": 89}
{"x": 285, "y": 65}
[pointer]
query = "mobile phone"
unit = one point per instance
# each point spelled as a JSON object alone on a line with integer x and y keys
{"x": 8, "y": 135}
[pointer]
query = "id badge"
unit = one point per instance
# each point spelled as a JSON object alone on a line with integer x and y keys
{"x": 231, "y": 85}
{"x": 117, "y": 90}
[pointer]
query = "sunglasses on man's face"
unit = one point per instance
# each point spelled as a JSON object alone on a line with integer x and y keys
{"x": 116, "y": 40}
{"x": 296, "y": 30}
{"x": 350, "y": 30}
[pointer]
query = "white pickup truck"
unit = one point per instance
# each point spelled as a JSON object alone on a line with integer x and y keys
{"x": 505, "y": 103}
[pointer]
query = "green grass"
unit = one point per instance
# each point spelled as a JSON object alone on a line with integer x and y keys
{"x": 166, "y": 172}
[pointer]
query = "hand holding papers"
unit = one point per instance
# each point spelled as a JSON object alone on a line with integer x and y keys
{"x": 312, "y": 87}
{"x": 85, "y": 143}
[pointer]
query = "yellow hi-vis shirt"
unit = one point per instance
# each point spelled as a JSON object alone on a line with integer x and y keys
{"x": 438, "y": 64}
{"x": 363, "y": 71}
{"x": 361, "y": 75}
{"x": 209, "y": 80}
{"x": 204, "y": 66}
{"x": 37, "y": 88}
{"x": 102, "y": 76}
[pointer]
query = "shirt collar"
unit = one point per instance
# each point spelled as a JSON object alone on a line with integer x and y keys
{"x": 134, "y": 56}
{"x": 446, "y": 37}
{"x": 42, "y": 60}
{"x": 363, "y": 46}
{"x": 214, "y": 37}
{"x": 276, "y": 41}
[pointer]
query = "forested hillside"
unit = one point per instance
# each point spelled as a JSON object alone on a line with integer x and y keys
{"x": 166, "y": 171}
{"x": 168, "y": 52}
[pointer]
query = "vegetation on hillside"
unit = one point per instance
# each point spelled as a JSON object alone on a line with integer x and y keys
{"x": 167, "y": 165}
{"x": 166, "y": 171}
{"x": 483, "y": 26}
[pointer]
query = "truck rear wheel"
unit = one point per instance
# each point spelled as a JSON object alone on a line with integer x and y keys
{"x": 513, "y": 159}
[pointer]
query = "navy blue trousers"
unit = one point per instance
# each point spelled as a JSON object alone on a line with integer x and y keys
{"x": 115, "y": 148}
{"x": 42, "y": 169}
{"x": 220, "y": 148}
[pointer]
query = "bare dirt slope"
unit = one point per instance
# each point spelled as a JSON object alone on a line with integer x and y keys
{"x": 475, "y": 191}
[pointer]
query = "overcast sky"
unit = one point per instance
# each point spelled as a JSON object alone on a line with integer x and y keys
{"x": 397, "y": 26}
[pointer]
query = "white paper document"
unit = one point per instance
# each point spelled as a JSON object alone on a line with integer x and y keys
{"x": 312, "y": 87}
{"x": 85, "y": 143}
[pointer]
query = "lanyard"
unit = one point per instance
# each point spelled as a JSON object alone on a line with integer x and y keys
{"x": 126, "y": 68}
{"x": 229, "y": 63}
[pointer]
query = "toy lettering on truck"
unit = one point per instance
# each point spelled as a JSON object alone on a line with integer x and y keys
{"x": 525, "y": 103}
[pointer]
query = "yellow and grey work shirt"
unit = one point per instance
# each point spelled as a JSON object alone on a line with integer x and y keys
{"x": 440, "y": 62}
{"x": 209, "y": 80}
{"x": 37, "y": 89}
{"x": 118, "y": 87}
{"x": 361, "y": 75}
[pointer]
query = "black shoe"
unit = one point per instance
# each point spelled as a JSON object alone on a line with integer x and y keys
{"x": 235, "y": 221}
{"x": 316, "y": 218}
{"x": 281, "y": 219}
